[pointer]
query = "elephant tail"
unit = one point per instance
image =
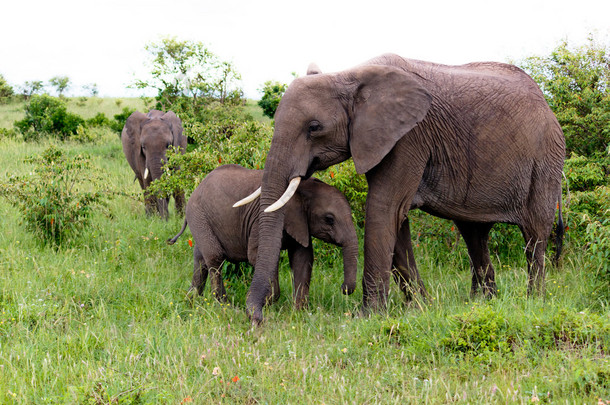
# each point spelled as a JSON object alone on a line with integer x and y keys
{"x": 175, "y": 238}
{"x": 559, "y": 232}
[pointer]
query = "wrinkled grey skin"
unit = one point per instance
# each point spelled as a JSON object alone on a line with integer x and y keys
{"x": 475, "y": 143}
{"x": 222, "y": 232}
{"x": 145, "y": 139}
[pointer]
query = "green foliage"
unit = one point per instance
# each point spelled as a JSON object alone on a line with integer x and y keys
{"x": 6, "y": 91}
{"x": 217, "y": 142}
{"x": 272, "y": 94}
{"x": 120, "y": 119}
{"x": 46, "y": 114}
{"x": 584, "y": 173}
{"x": 61, "y": 84}
{"x": 478, "y": 332}
{"x": 575, "y": 83}
{"x": 56, "y": 200}
{"x": 188, "y": 77}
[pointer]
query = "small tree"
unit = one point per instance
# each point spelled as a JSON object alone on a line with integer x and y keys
{"x": 6, "y": 91}
{"x": 576, "y": 83}
{"x": 91, "y": 89}
{"x": 272, "y": 94}
{"x": 30, "y": 88}
{"x": 61, "y": 84}
{"x": 188, "y": 76}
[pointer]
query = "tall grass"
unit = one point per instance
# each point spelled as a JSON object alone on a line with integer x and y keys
{"x": 107, "y": 320}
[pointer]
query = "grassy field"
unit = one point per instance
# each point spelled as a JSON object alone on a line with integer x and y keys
{"x": 106, "y": 320}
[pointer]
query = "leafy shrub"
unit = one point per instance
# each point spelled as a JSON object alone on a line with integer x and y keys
{"x": 8, "y": 133}
{"x": 120, "y": 119}
{"x": 100, "y": 120}
{"x": 272, "y": 94}
{"x": 55, "y": 200}
{"x": 222, "y": 142}
{"x": 46, "y": 114}
{"x": 585, "y": 173}
{"x": 6, "y": 91}
{"x": 480, "y": 331}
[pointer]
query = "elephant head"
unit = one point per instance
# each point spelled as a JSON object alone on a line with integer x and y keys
{"x": 146, "y": 138}
{"x": 322, "y": 211}
{"x": 324, "y": 119}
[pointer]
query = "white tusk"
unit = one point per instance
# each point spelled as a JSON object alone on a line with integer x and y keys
{"x": 146, "y": 173}
{"x": 249, "y": 198}
{"x": 292, "y": 187}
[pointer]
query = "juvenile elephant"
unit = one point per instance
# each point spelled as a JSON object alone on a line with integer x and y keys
{"x": 222, "y": 232}
{"x": 475, "y": 143}
{"x": 145, "y": 139}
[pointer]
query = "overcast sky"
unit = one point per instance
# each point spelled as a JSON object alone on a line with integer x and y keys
{"x": 103, "y": 41}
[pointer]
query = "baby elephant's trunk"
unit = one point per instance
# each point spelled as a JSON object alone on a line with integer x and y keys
{"x": 175, "y": 238}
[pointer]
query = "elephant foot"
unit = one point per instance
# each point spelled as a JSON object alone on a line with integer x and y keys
{"x": 347, "y": 289}
{"x": 256, "y": 317}
{"x": 191, "y": 295}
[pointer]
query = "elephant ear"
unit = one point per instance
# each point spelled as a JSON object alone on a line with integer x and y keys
{"x": 130, "y": 137}
{"x": 313, "y": 69}
{"x": 388, "y": 103}
{"x": 295, "y": 220}
{"x": 175, "y": 125}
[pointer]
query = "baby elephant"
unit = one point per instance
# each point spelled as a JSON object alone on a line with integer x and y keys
{"x": 222, "y": 232}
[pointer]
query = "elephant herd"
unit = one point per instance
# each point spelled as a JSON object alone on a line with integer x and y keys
{"x": 475, "y": 143}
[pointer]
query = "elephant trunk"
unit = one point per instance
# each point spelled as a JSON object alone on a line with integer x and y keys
{"x": 154, "y": 167}
{"x": 350, "y": 265}
{"x": 271, "y": 224}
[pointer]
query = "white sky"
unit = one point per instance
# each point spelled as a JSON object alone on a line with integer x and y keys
{"x": 102, "y": 41}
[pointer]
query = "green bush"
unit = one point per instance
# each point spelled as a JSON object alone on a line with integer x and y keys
{"x": 583, "y": 173}
{"x": 478, "y": 332}
{"x": 55, "y": 200}
{"x": 48, "y": 115}
{"x": 6, "y": 91}
{"x": 221, "y": 142}
{"x": 100, "y": 120}
{"x": 272, "y": 95}
{"x": 119, "y": 119}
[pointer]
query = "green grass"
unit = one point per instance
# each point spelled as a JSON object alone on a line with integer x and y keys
{"x": 106, "y": 320}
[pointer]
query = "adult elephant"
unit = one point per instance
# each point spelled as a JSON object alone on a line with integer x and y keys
{"x": 475, "y": 143}
{"x": 146, "y": 138}
{"x": 222, "y": 232}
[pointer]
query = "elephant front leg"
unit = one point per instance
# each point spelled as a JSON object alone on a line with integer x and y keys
{"x": 301, "y": 261}
{"x": 379, "y": 243}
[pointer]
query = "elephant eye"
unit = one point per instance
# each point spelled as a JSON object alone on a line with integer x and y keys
{"x": 329, "y": 219}
{"x": 314, "y": 126}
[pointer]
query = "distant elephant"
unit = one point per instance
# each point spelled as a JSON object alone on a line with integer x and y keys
{"x": 145, "y": 140}
{"x": 475, "y": 143}
{"x": 222, "y": 232}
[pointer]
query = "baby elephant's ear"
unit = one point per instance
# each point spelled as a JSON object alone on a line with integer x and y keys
{"x": 295, "y": 220}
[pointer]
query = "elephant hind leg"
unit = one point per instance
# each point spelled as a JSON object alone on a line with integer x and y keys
{"x": 404, "y": 269}
{"x": 535, "y": 248}
{"x": 200, "y": 272}
{"x": 476, "y": 236}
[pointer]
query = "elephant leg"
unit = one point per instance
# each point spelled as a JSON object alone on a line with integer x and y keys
{"x": 162, "y": 209}
{"x": 405, "y": 270}
{"x": 216, "y": 282}
{"x": 535, "y": 248}
{"x": 476, "y": 236}
{"x": 200, "y": 272}
{"x": 379, "y": 244}
{"x": 179, "y": 202}
{"x": 301, "y": 261}
{"x": 150, "y": 203}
